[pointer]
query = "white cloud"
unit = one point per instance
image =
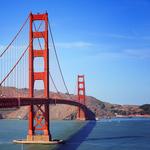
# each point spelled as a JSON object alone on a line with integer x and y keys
{"x": 137, "y": 53}
{"x": 73, "y": 45}
{"x": 140, "y": 54}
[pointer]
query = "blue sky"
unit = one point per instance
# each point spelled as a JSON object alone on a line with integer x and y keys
{"x": 107, "y": 40}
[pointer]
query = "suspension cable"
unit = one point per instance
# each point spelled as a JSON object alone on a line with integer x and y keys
{"x": 57, "y": 61}
{"x": 57, "y": 57}
{"x": 14, "y": 37}
{"x": 53, "y": 83}
{"x": 49, "y": 72}
{"x": 18, "y": 60}
{"x": 38, "y": 38}
{"x": 14, "y": 66}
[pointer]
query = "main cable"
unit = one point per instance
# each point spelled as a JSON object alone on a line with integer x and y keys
{"x": 14, "y": 37}
{"x": 54, "y": 83}
{"x": 18, "y": 60}
{"x": 57, "y": 58}
{"x": 49, "y": 72}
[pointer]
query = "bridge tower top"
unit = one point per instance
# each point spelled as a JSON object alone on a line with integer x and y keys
{"x": 38, "y": 114}
{"x": 81, "y": 89}
{"x": 33, "y": 53}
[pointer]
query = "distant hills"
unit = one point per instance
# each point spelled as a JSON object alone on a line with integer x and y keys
{"x": 100, "y": 108}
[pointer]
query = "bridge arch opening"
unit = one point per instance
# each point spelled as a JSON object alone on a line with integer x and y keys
{"x": 38, "y": 25}
{"x": 38, "y": 88}
{"x": 38, "y": 64}
{"x": 38, "y": 43}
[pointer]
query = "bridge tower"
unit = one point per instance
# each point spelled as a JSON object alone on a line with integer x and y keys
{"x": 81, "y": 96}
{"x": 38, "y": 114}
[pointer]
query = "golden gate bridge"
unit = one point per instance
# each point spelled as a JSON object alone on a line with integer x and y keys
{"x": 19, "y": 64}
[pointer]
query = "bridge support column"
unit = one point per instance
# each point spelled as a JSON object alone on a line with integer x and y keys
{"x": 81, "y": 97}
{"x": 38, "y": 114}
{"x": 38, "y": 131}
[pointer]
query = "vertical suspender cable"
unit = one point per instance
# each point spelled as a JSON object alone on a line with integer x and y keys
{"x": 53, "y": 43}
{"x": 57, "y": 57}
{"x": 14, "y": 37}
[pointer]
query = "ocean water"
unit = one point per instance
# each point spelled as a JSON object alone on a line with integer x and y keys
{"x": 110, "y": 134}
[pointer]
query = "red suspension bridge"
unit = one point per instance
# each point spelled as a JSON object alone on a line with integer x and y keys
{"x": 19, "y": 70}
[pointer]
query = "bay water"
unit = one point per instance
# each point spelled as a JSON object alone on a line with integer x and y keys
{"x": 109, "y": 134}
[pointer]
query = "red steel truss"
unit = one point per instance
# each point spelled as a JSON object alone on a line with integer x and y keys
{"x": 81, "y": 96}
{"x": 39, "y": 114}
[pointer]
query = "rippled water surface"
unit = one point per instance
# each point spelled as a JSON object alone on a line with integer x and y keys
{"x": 112, "y": 134}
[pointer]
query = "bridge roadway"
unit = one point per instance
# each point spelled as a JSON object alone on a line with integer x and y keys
{"x": 11, "y": 102}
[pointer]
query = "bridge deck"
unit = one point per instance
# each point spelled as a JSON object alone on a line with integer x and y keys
{"x": 18, "y": 102}
{"x": 24, "y": 101}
